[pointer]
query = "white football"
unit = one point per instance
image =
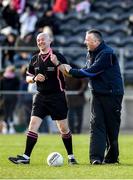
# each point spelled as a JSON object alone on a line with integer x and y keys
{"x": 55, "y": 159}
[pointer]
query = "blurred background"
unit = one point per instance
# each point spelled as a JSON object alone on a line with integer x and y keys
{"x": 66, "y": 21}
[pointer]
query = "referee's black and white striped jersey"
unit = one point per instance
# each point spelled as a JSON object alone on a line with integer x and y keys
{"x": 42, "y": 64}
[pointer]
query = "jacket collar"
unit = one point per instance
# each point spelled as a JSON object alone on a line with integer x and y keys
{"x": 98, "y": 49}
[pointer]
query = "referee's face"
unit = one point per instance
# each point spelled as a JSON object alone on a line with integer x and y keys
{"x": 43, "y": 42}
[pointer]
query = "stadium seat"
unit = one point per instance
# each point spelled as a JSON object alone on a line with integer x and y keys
{"x": 119, "y": 5}
{"x": 114, "y": 41}
{"x": 104, "y": 28}
{"x": 66, "y": 30}
{"x": 124, "y": 16}
{"x": 2, "y": 23}
{"x": 108, "y": 16}
{"x": 75, "y": 54}
{"x": 59, "y": 40}
{"x": 101, "y": 10}
{"x": 127, "y": 42}
{"x": 128, "y": 55}
{"x": 130, "y": 7}
{"x": 80, "y": 30}
{"x": 129, "y": 65}
{"x": 92, "y": 17}
{"x": 120, "y": 31}
{"x": 101, "y": 7}
{"x": 68, "y": 17}
{"x": 74, "y": 41}
{"x": 128, "y": 76}
{"x": 117, "y": 10}
{"x": 60, "y": 17}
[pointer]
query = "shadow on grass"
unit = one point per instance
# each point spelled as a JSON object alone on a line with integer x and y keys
{"x": 102, "y": 165}
{"x": 125, "y": 164}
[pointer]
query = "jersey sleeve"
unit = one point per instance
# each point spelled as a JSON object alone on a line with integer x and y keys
{"x": 30, "y": 68}
{"x": 61, "y": 58}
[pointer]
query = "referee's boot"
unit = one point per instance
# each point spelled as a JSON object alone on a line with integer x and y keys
{"x": 19, "y": 160}
{"x": 72, "y": 161}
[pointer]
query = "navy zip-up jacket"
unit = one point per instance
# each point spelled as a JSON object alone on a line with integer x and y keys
{"x": 103, "y": 71}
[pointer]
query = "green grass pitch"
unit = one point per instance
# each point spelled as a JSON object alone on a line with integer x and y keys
{"x": 11, "y": 145}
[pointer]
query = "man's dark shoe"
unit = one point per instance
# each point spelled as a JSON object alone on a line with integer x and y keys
{"x": 96, "y": 162}
{"x": 19, "y": 160}
{"x": 106, "y": 161}
{"x": 72, "y": 162}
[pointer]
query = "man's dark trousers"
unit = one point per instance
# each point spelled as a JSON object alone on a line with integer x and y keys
{"x": 104, "y": 127}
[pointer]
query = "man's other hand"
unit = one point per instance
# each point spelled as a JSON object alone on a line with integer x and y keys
{"x": 67, "y": 67}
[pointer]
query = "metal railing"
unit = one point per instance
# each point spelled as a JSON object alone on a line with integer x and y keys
{"x": 67, "y": 50}
{"x": 27, "y": 92}
{"x": 62, "y": 50}
{"x": 33, "y": 49}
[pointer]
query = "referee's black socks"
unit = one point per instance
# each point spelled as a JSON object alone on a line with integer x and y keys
{"x": 67, "y": 140}
{"x": 30, "y": 142}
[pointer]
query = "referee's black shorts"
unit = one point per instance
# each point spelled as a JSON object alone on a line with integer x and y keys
{"x": 54, "y": 105}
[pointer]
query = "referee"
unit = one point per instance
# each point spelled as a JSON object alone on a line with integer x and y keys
{"x": 49, "y": 100}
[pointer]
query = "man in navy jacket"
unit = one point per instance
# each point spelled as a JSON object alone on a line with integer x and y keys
{"x": 107, "y": 93}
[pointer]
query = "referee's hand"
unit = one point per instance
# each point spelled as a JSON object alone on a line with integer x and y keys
{"x": 40, "y": 77}
{"x": 54, "y": 59}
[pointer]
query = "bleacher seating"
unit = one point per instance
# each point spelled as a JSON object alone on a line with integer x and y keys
{"x": 110, "y": 17}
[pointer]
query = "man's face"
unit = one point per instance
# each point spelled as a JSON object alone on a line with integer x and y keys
{"x": 43, "y": 42}
{"x": 91, "y": 42}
